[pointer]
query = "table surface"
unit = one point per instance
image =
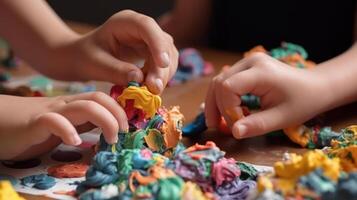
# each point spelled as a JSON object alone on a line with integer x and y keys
{"x": 262, "y": 150}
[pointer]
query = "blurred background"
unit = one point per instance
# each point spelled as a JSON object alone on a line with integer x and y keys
{"x": 96, "y": 12}
{"x": 324, "y": 28}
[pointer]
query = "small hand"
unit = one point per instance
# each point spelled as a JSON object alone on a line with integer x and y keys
{"x": 106, "y": 53}
{"x": 32, "y": 126}
{"x": 288, "y": 95}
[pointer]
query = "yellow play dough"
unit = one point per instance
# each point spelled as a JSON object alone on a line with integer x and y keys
{"x": 7, "y": 192}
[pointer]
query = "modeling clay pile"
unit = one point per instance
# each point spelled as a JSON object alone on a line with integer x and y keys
{"x": 330, "y": 173}
{"x": 150, "y": 162}
{"x": 320, "y": 174}
{"x": 191, "y": 65}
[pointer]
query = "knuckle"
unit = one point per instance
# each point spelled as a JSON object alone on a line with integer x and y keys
{"x": 58, "y": 102}
{"x": 226, "y": 85}
{"x": 170, "y": 39}
{"x": 98, "y": 96}
{"x": 126, "y": 12}
{"x": 88, "y": 106}
{"x": 262, "y": 61}
{"x": 146, "y": 20}
{"x": 44, "y": 119}
{"x": 122, "y": 15}
{"x": 217, "y": 80}
{"x": 257, "y": 56}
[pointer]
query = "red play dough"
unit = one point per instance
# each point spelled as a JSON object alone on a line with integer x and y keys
{"x": 224, "y": 128}
{"x": 116, "y": 91}
{"x": 71, "y": 170}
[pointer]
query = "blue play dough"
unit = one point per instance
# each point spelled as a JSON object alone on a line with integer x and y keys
{"x": 139, "y": 162}
{"x": 39, "y": 181}
{"x": 4, "y": 76}
{"x": 196, "y": 127}
{"x": 103, "y": 170}
{"x": 251, "y": 101}
{"x": 191, "y": 65}
{"x": 4, "y": 177}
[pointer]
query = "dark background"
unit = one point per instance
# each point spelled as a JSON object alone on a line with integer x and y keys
{"x": 96, "y": 12}
{"x": 324, "y": 28}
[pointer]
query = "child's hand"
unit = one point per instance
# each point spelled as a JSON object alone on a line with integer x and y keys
{"x": 288, "y": 95}
{"x": 32, "y": 126}
{"x": 104, "y": 54}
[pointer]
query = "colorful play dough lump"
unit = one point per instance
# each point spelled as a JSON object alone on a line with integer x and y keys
{"x": 150, "y": 162}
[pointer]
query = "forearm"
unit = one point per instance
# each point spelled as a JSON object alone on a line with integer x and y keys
{"x": 33, "y": 30}
{"x": 340, "y": 77}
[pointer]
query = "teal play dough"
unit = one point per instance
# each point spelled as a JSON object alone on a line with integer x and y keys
{"x": 13, "y": 180}
{"x": 39, "y": 181}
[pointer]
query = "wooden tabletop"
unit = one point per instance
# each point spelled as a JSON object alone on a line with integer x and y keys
{"x": 261, "y": 150}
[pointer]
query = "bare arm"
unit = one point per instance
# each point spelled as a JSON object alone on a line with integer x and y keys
{"x": 33, "y": 30}
{"x": 340, "y": 73}
{"x": 40, "y": 37}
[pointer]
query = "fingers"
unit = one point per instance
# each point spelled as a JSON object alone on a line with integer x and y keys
{"x": 220, "y": 101}
{"x": 142, "y": 30}
{"x": 58, "y": 125}
{"x": 114, "y": 70}
{"x": 252, "y": 81}
{"x": 83, "y": 111}
{"x": 108, "y": 103}
{"x": 223, "y": 98}
{"x": 211, "y": 110}
{"x": 244, "y": 64}
{"x": 260, "y": 123}
{"x": 157, "y": 40}
{"x": 157, "y": 78}
{"x": 215, "y": 96}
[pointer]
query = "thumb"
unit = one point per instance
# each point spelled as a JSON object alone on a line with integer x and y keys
{"x": 259, "y": 123}
{"x": 109, "y": 68}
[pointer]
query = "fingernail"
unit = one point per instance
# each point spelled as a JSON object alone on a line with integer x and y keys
{"x": 77, "y": 140}
{"x": 159, "y": 85}
{"x": 115, "y": 139}
{"x": 165, "y": 59}
{"x": 240, "y": 131}
{"x": 134, "y": 76}
{"x": 124, "y": 128}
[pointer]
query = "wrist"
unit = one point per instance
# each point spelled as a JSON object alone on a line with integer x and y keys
{"x": 336, "y": 87}
{"x": 61, "y": 42}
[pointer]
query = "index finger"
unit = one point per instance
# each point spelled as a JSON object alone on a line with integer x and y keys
{"x": 144, "y": 28}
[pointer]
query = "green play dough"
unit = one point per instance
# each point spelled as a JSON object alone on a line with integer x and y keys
{"x": 248, "y": 172}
